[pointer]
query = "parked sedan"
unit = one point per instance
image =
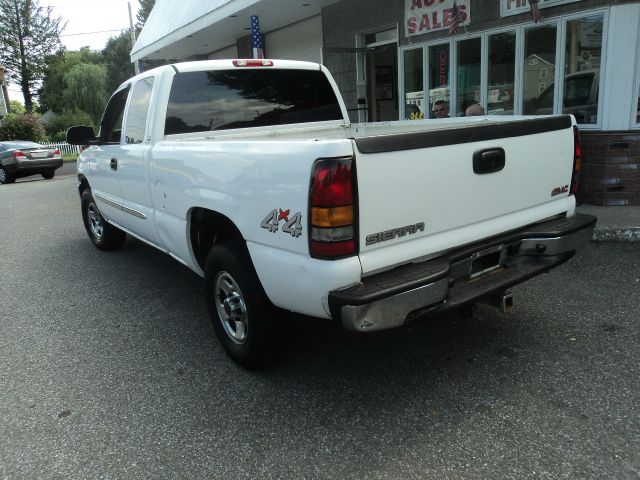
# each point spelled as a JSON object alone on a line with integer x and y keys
{"x": 22, "y": 158}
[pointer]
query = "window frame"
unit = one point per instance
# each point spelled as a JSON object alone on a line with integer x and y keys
{"x": 634, "y": 122}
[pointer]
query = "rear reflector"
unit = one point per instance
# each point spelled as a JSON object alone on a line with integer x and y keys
{"x": 330, "y": 250}
{"x": 332, "y": 213}
{"x": 252, "y": 63}
{"x": 577, "y": 160}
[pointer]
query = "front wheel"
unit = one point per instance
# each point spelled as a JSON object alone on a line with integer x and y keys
{"x": 250, "y": 328}
{"x": 102, "y": 234}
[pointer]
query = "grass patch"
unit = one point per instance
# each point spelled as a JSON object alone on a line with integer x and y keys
{"x": 69, "y": 157}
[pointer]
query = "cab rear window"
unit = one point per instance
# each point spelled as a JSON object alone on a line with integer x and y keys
{"x": 226, "y": 99}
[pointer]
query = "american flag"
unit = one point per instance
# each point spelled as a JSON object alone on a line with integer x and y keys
{"x": 456, "y": 19}
{"x": 256, "y": 38}
{"x": 535, "y": 10}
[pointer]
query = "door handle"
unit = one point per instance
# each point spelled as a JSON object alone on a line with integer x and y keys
{"x": 489, "y": 160}
{"x": 114, "y": 163}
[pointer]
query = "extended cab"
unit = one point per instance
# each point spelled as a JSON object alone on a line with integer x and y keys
{"x": 249, "y": 173}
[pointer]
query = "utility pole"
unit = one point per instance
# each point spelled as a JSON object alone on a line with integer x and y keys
{"x": 133, "y": 37}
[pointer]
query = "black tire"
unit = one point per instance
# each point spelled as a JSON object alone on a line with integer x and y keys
{"x": 103, "y": 235}
{"x": 5, "y": 177}
{"x": 251, "y": 330}
{"x": 48, "y": 174}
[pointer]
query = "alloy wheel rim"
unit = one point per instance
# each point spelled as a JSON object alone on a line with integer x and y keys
{"x": 231, "y": 308}
{"x": 95, "y": 221}
{"x": 3, "y": 175}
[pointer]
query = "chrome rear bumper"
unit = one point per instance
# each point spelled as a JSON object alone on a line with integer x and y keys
{"x": 460, "y": 277}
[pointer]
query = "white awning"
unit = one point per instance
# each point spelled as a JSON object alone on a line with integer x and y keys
{"x": 184, "y": 28}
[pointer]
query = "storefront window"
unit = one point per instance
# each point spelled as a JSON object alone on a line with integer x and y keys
{"x": 502, "y": 65}
{"x": 414, "y": 104}
{"x": 439, "y": 79}
{"x": 582, "y": 68}
{"x": 469, "y": 55}
{"x": 539, "y": 70}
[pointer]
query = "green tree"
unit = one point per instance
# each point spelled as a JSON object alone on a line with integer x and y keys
{"x": 51, "y": 94}
{"x": 28, "y": 33}
{"x": 143, "y": 13}
{"x": 85, "y": 89}
{"x": 56, "y": 128}
{"x": 16, "y": 107}
{"x": 117, "y": 60}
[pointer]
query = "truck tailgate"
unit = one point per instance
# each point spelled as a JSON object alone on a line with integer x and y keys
{"x": 422, "y": 192}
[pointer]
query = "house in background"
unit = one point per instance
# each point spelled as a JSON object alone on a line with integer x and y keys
{"x": 393, "y": 58}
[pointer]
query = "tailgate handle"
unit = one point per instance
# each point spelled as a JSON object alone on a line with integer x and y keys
{"x": 489, "y": 160}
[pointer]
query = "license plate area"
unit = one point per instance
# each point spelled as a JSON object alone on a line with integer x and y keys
{"x": 487, "y": 261}
{"x": 39, "y": 154}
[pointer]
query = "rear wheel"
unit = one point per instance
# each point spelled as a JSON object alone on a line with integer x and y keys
{"x": 48, "y": 174}
{"x": 5, "y": 177}
{"x": 251, "y": 330}
{"x": 102, "y": 234}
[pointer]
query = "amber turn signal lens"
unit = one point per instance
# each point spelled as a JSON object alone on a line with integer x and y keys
{"x": 331, "y": 217}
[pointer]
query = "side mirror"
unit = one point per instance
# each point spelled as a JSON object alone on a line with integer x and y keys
{"x": 81, "y": 135}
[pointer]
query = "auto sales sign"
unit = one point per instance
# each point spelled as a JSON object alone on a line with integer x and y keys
{"x": 426, "y": 16}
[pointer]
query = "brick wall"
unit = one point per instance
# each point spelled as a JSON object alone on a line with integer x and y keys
{"x": 610, "y": 168}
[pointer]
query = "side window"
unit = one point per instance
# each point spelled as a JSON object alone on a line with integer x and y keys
{"x": 138, "y": 109}
{"x": 111, "y": 125}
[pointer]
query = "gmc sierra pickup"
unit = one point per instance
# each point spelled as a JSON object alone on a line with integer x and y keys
{"x": 249, "y": 173}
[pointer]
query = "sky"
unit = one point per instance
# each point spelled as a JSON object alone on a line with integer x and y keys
{"x": 89, "y": 23}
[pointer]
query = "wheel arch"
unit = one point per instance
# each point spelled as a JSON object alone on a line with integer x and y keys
{"x": 207, "y": 228}
{"x": 83, "y": 184}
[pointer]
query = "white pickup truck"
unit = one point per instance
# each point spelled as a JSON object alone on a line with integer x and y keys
{"x": 249, "y": 173}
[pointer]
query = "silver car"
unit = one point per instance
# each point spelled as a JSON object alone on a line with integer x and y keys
{"x": 20, "y": 158}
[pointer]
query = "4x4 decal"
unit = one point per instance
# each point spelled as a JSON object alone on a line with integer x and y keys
{"x": 291, "y": 226}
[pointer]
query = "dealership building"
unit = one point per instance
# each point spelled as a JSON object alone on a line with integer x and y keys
{"x": 393, "y": 59}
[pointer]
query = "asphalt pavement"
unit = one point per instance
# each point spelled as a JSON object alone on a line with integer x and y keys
{"x": 110, "y": 369}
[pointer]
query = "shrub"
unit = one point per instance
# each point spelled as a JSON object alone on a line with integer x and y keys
{"x": 21, "y": 126}
{"x": 56, "y": 128}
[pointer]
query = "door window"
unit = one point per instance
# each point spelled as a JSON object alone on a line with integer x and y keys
{"x": 502, "y": 67}
{"x": 539, "y": 70}
{"x": 414, "y": 105}
{"x": 468, "y": 69}
{"x": 138, "y": 109}
{"x": 111, "y": 125}
{"x": 582, "y": 68}
{"x": 439, "y": 81}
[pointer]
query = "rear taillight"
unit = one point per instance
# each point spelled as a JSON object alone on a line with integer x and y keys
{"x": 332, "y": 209}
{"x": 577, "y": 160}
{"x": 18, "y": 154}
{"x": 57, "y": 151}
{"x": 252, "y": 63}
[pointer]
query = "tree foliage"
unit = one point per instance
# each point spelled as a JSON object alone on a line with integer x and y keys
{"x": 21, "y": 126}
{"x": 117, "y": 60}
{"x": 56, "y": 128}
{"x": 85, "y": 89}
{"x": 51, "y": 94}
{"x": 28, "y": 34}
{"x": 143, "y": 13}
{"x": 16, "y": 107}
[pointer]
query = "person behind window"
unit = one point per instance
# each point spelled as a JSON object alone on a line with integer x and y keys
{"x": 441, "y": 109}
{"x": 474, "y": 110}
